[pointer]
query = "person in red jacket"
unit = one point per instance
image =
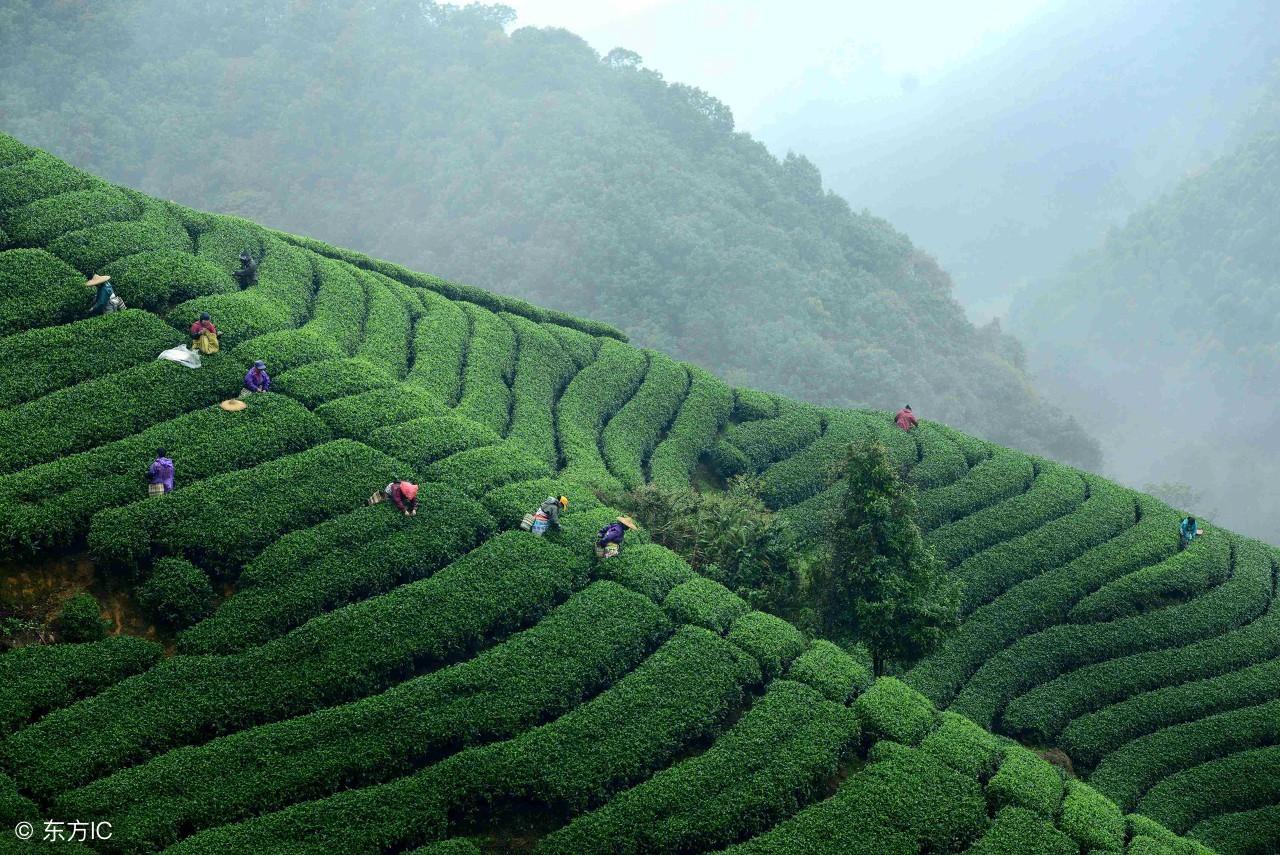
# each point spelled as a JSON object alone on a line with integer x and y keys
{"x": 905, "y": 419}
{"x": 403, "y": 493}
{"x": 204, "y": 335}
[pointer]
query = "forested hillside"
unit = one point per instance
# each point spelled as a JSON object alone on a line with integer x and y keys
{"x": 527, "y": 164}
{"x": 1166, "y": 339}
{"x": 347, "y": 678}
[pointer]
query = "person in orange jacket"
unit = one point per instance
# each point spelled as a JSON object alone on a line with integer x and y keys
{"x": 906, "y": 419}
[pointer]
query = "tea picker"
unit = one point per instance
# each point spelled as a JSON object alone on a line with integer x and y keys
{"x": 160, "y": 475}
{"x": 106, "y": 300}
{"x": 403, "y": 494}
{"x": 1187, "y": 532}
{"x": 609, "y": 540}
{"x": 204, "y": 335}
{"x": 547, "y": 515}
{"x": 906, "y": 419}
{"x": 248, "y": 273}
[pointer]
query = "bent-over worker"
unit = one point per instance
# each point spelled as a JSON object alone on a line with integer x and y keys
{"x": 204, "y": 335}
{"x": 548, "y": 514}
{"x": 609, "y": 540}
{"x": 1187, "y": 532}
{"x": 105, "y": 300}
{"x": 257, "y": 379}
{"x": 405, "y": 496}
{"x": 160, "y": 475}
{"x": 906, "y": 419}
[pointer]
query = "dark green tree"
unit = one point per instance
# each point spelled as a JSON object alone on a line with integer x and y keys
{"x": 884, "y": 586}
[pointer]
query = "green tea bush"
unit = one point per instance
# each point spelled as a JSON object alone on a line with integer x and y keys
{"x": 584, "y": 645}
{"x": 589, "y": 402}
{"x": 358, "y": 555}
{"x": 41, "y": 678}
{"x": 177, "y": 593}
{"x": 506, "y": 584}
{"x": 648, "y": 568}
{"x": 890, "y": 709}
{"x": 419, "y": 442}
{"x": 1004, "y": 475}
{"x": 38, "y": 176}
{"x": 908, "y": 802}
{"x": 942, "y": 462}
{"x": 1056, "y": 703}
{"x": 1106, "y": 512}
{"x": 39, "y": 290}
{"x": 239, "y": 315}
{"x": 1024, "y": 780}
{"x": 357, "y": 416}
{"x": 703, "y": 413}
{"x": 751, "y": 405}
{"x": 12, "y": 151}
{"x": 320, "y": 382}
{"x": 1091, "y": 819}
{"x": 1016, "y": 831}
{"x": 705, "y": 603}
{"x": 157, "y": 279}
{"x": 224, "y": 238}
{"x": 763, "y": 442}
{"x": 1039, "y": 602}
{"x": 542, "y": 370}
{"x": 1147, "y": 588}
{"x": 40, "y": 361}
{"x": 286, "y": 276}
{"x": 283, "y": 350}
{"x": 1041, "y": 657}
{"x": 81, "y": 620}
{"x": 1244, "y": 831}
{"x": 95, "y": 247}
{"x": 1133, "y": 768}
{"x": 387, "y": 328}
{"x": 963, "y": 746}
{"x": 613, "y": 741}
{"x": 49, "y": 506}
{"x": 830, "y": 670}
{"x": 490, "y": 363}
{"x": 221, "y": 522}
{"x": 630, "y": 436}
{"x": 770, "y": 639}
{"x": 1167, "y": 843}
{"x": 577, "y": 345}
{"x": 476, "y": 471}
{"x": 98, "y": 411}
{"x": 1055, "y": 492}
{"x": 440, "y": 346}
{"x": 763, "y": 769}
{"x": 45, "y": 220}
{"x": 1237, "y": 782}
{"x": 340, "y": 305}
{"x": 791, "y": 481}
{"x": 974, "y": 450}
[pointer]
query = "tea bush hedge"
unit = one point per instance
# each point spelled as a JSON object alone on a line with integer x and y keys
{"x": 221, "y": 522}
{"x": 44, "y": 220}
{"x": 510, "y": 502}
{"x": 157, "y": 279}
{"x": 1091, "y": 819}
{"x": 476, "y": 471}
{"x": 542, "y": 370}
{"x": 830, "y": 670}
{"x": 582, "y": 646}
{"x": 388, "y": 326}
{"x": 177, "y": 593}
{"x": 768, "y": 440}
{"x": 358, "y": 555}
{"x": 357, "y": 416}
{"x": 41, "y": 678}
{"x": 632, "y": 434}
{"x": 108, "y": 408}
{"x": 761, "y": 770}
{"x": 703, "y": 413}
{"x": 1237, "y": 782}
{"x": 705, "y": 603}
{"x": 909, "y": 802}
{"x": 1147, "y": 588}
{"x": 1056, "y": 703}
{"x": 773, "y": 642}
{"x": 1004, "y": 475}
{"x": 590, "y": 401}
{"x": 90, "y": 249}
{"x": 1039, "y": 602}
{"x": 50, "y": 505}
{"x": 1024, "y": 780}
{"x": 1243, "y": 831}
{"x": 963, "y": 746}
{"x": 812, "y": 470}
{"x": 1016, "y": 831}
{"x": 650, "y": 569}
{"x": 320, "y": 382}
{"x": 40, "y": 176}
{"x": 39, "y": 290}
{"x": 420, "y": 442}
{"x": 491, "y": 361}
{"x": 942, "y": 462}
{"x": 40, "y": 361}
{"x": 577, "y": 345}
{"x": 890, "y": 709}
{"x": 506, "y": 584}
{"x": 440, "y": 342}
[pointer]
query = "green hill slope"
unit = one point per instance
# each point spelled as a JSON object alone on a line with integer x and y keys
{"x": 527, "y": 164}
{"x": 376, "y": 683}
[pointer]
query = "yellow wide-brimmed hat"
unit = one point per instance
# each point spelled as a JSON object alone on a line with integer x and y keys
{"x": 233, "y": 406}
{"x": 97, "y": 279}
{"x": 628, "y": 522}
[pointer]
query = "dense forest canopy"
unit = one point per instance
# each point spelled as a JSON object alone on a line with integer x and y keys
{"x": 1169, "y": 334}
{"x": 526, "y": 163}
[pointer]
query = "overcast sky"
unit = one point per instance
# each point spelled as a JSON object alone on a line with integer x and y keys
{"x": 756, "y": 55}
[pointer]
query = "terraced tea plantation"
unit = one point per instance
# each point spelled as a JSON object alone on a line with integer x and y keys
{"x": 449, "y": 684}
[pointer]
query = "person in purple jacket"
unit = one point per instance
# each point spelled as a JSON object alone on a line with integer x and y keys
{"x": 609, "y": 540}
{"x": 257, "y": 379}
{"x": 160, "y": 475}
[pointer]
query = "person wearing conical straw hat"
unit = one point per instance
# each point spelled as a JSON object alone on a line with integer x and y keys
{"x": 105, "y": 301}
{"x": 609, "y": 541}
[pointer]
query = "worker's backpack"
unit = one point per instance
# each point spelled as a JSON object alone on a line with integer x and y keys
{"x": 115, "y": 304}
